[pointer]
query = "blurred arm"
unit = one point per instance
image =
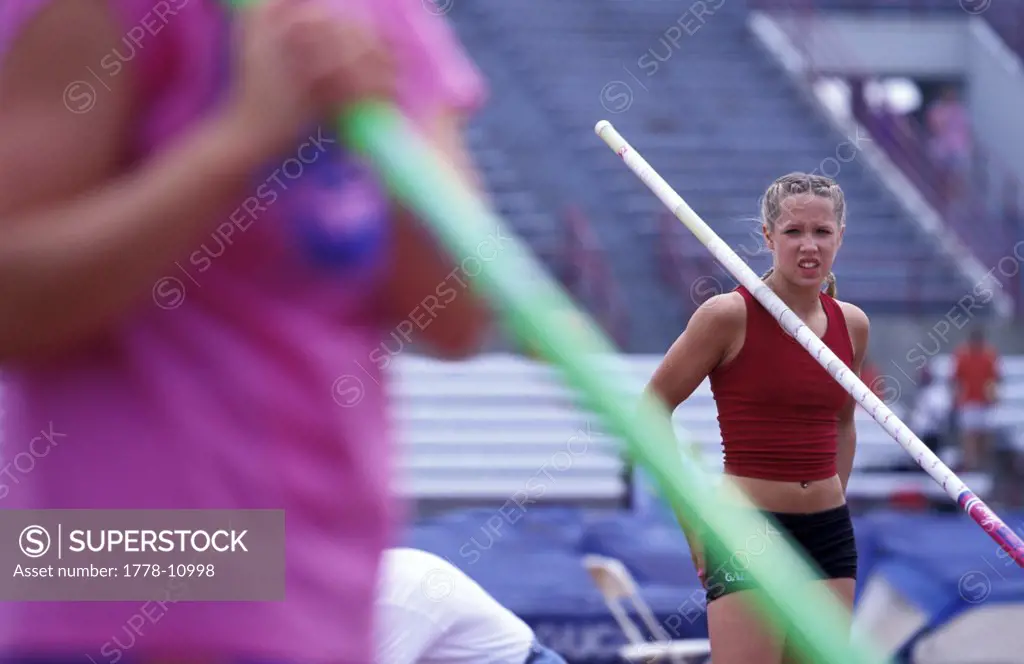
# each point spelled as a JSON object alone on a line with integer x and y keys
{"x": 427, "y": 290}
{"x": 846, "y": 438}
{"x": 81, "y": 240}
{"x": 701, "y": 347}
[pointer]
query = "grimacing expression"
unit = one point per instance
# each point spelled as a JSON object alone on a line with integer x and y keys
{"x": 804, "y": 238}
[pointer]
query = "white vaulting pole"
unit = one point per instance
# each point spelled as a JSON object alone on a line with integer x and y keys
{"x": 951, "y": 484}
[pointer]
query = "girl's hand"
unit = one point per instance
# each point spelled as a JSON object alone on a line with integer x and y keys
{"x": 697, "y": 556}
{"x": 297, "y": 63}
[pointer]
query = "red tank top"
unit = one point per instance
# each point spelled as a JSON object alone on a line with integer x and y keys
{"x": 777, "y": 407}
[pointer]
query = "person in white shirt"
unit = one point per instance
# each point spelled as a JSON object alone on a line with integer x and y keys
{"x": 430, "y": 612}
{"x": 929, "y": 418}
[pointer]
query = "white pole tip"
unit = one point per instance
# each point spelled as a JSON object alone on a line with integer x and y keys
{"x": 601, "y": 126}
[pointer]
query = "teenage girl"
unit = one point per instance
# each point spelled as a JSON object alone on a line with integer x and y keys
{"x": 150, "y": 140}
{"x": 787, "y": 426}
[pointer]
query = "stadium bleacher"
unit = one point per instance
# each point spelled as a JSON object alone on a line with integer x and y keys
{"x": 720, "y": 154}
{"x": 500, "y": 427}
{"x": 503, "y": 435}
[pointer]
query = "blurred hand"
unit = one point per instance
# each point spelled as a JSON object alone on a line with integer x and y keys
{"x": 297, "y": 62}
{"x": 697, "y": 556}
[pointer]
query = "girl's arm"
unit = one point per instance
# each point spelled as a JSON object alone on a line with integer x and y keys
{"x": 712, "y": 332}
{"x": 428, "y": 294}
{"x": 427, "y": 291}
{"x": 81, "y": 239}
{"x": 858, "y": 326}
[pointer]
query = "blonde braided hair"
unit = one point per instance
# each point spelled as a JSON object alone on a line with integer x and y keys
{"x": 802, "y": 183}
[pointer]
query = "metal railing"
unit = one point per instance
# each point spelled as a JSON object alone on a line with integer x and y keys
{"x": 982, "y": 206}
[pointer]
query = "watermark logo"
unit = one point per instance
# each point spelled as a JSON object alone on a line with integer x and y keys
{"x": 34, "y": 541}
{"x": 81, "y": 96}
{"x": 348, "y": 391}
{"x": 974, "y": 587}
{"x": 169, "y": 293}
{"x": 975, "y": 7}
{"x": 616, "y": 97}
{"x": 437, "y": 585}
{"x": 438, "y": 7}
{"x": 887, "y": 388}
{"x": 119, "y": 555}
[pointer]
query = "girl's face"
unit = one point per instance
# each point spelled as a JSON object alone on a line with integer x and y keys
{"x": 804, "y": 239}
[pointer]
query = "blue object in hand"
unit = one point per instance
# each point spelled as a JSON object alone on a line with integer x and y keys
{"x": 343, "y": 213}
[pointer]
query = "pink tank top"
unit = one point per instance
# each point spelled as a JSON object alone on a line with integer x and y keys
{"x": 223, "y": 389}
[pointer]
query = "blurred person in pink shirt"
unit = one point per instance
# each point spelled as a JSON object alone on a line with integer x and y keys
{"x": 189, "y": 262}
{"x": 950, "y": 142}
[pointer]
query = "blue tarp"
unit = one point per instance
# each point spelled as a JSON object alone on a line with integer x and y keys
{"x": 945, "y": 564}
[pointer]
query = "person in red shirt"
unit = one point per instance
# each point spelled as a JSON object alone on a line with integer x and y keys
{"x": 787, "y": 426}
{"x": 975, "y": 378}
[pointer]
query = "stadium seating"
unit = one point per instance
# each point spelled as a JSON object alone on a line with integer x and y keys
{"x": 504, "y": 429}
{"x": 577, "y": 63}
{"x": 985, "y": 215}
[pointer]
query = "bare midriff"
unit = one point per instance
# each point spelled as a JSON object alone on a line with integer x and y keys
{"x": 792, "y": 497}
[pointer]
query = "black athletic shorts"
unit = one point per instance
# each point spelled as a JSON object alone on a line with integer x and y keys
{"x": 826, "y": 537}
